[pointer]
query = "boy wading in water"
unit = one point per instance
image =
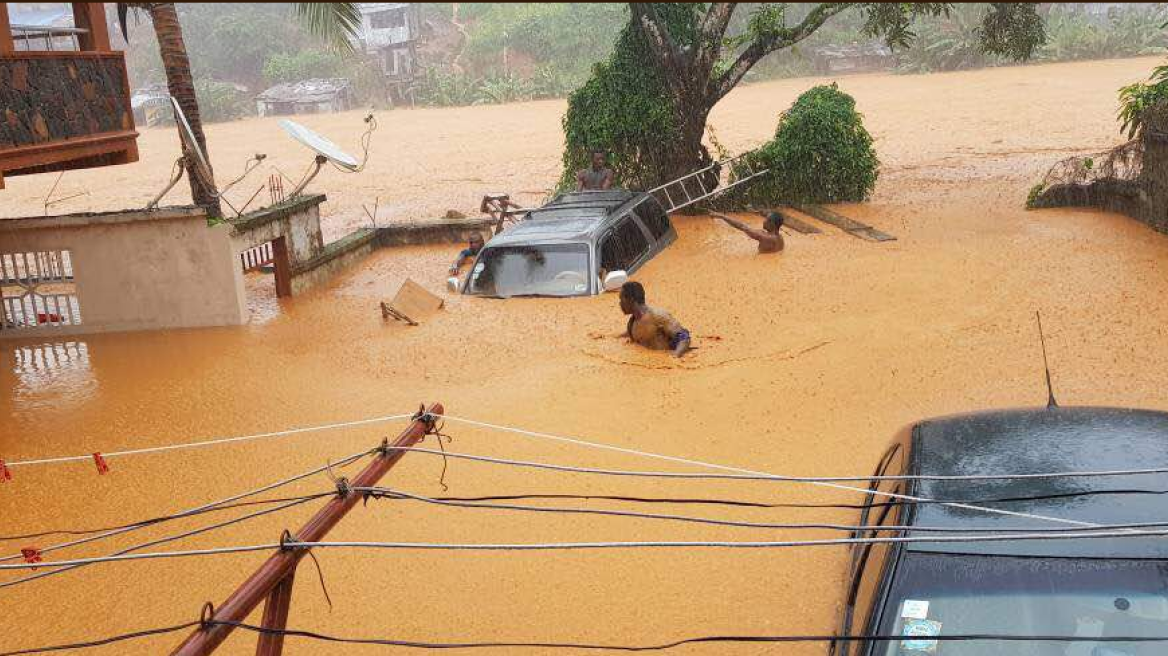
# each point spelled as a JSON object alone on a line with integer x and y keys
{"x": 769, "y": 239}
{"x": 649, "y": 326}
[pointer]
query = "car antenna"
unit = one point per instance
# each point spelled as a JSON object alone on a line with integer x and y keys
{"x": 1050, "y": 402}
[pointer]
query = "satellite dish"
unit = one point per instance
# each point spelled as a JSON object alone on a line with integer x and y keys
{"x": 191, "y": 145}
{"x": 194, "y": 159}
{"x": 322, "y": 146}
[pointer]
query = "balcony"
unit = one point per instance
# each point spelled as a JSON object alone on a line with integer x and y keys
{"x": 63, "y": 109}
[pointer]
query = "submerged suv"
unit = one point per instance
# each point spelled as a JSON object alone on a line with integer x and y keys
{"x": 1095, "y": 591}
{"x": 579, "y": 244}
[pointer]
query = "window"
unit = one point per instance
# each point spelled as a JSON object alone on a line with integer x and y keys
{"x": 540, "y": 270}
{"x": 388, "y": 20}
{"x": 653, "y": 216}
{"x": 37, "y": 289}
{"x": 624, "y": 246}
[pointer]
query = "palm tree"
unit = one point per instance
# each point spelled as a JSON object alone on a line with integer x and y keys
{"x": 333, "y": 22}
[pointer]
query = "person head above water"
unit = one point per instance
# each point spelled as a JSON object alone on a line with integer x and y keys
{"x": 599, "y": 159}
{"x": 476, "y": 243}
{"x": 773, "y": 222}
{"x": 632, "y": 295}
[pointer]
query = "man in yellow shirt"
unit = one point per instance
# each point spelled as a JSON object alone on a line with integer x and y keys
{"x": 651, "y": 327}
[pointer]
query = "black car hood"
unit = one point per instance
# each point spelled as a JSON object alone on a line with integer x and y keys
{"x": 1043, "y": 441}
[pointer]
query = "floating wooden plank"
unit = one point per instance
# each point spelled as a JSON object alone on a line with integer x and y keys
{"x": 842, "y": 222}
{"x": 411, "y": 304}
{"x": 793, "y": 222}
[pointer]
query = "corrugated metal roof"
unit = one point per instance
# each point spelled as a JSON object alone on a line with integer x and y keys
{"x": 305, "y": 91}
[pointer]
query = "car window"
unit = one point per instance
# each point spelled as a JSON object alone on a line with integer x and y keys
{"x": 954, "y": 594}
{"x": 544, "y": 270}
{"x": 624, "y": 246}
{"x": 653, "y": 216}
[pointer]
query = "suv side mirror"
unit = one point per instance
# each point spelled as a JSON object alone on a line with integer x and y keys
{"x": 452, "y": 284}
{"x": 614, "y": 280}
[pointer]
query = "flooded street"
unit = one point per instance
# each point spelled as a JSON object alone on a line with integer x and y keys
{"x": 808, "y": 362}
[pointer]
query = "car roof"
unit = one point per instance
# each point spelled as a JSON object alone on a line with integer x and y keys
{"x": 569, "y": 218}
{"x": 1038, "y": 441}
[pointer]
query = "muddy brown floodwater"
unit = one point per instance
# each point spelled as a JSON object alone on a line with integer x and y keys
{"x": 809, "y": 362}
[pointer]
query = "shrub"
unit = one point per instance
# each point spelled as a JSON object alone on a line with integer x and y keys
{"x": 303, "y": 65}
{"x": 1136, "y": 99}
{"x": 821, "y": 153}
{"x": 219, "y": 101}
{"x": 445, "y": 89}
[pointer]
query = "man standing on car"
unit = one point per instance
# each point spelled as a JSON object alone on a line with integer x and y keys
{"x": 596, "y": 178}
{"x": 649, "y": 326}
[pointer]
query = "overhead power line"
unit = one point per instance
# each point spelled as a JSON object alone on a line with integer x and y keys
{"x": 208, "y": 442}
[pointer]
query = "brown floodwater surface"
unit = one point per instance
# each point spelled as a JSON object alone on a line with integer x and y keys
{"x": 809, "y": 361}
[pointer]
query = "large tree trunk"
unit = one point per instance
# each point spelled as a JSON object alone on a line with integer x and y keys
{"x": 686, "y": 154}
{"x": 182, "y": 87}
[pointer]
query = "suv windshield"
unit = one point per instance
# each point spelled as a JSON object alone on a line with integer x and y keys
{"x": 944, "y": 594}
{"x": 537, "y": 270}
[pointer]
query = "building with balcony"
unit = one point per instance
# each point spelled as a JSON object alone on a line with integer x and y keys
{"x": 390, "y": 32}
{"x": 64, "y": 93}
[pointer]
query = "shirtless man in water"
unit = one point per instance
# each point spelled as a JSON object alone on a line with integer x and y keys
{"x": 769, "y": 239}
{"x": 649, "y": 326}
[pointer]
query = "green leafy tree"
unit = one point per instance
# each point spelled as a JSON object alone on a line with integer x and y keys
{"x": 677, "y": 61}
{"x": 821, "y": 153}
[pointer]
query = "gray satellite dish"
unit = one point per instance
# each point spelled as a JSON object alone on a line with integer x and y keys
{"x": 322, "y": 146}
{"x": 191, "y": 145}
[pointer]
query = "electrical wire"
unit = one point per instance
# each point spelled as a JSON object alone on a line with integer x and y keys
{"x": 818, "y": 506}
{"x": 210, "y": 442}
{"x": 384, "y": 492}
{"x": 103, "y": 641}
{"x": 1081, "y": 534}
{"x": 198, "y": 509}
{"x": 738, "y": 470}
{"x": 168, "y": 539}
{"x": 685, "y": 641}
{"x": 779, "y": 477}
{"x": 158, "y": 520}
{"x": 314, "y": 635}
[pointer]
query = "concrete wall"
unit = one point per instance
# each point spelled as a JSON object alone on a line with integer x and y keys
{"x": 298, "y": 220}
{"x": 440, "y": 231}
{"x": 139, "y": 270}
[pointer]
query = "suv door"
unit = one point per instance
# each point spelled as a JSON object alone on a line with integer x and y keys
{"x": 624, "y": 247}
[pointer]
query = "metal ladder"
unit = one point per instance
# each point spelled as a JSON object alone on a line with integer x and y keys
{"x": 681, "y": 192}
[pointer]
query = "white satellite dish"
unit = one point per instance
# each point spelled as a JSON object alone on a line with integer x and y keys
{"x": 191, "y": 145}
{"x": 327, "y": 151}
{"x": 322, "y": 146}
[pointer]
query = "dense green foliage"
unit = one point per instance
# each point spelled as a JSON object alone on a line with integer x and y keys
{"x": 951, "y": 42}
{"x": 219, "y": 101}
{"x": 623, "y": 109}
{"x": 1136, "y": 99}
{"x": 821, "y": 153}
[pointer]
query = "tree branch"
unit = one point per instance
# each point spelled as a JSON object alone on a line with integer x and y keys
{"x": 656, "y": 33}
{"x": 710, "y": 34}
{"x": 765, "y": 44}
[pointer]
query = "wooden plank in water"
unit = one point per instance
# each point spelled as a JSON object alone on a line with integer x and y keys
{"x": 855, "y": 228}
{"x": 411, "y": 303}
{"x": 793, "y": 222}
